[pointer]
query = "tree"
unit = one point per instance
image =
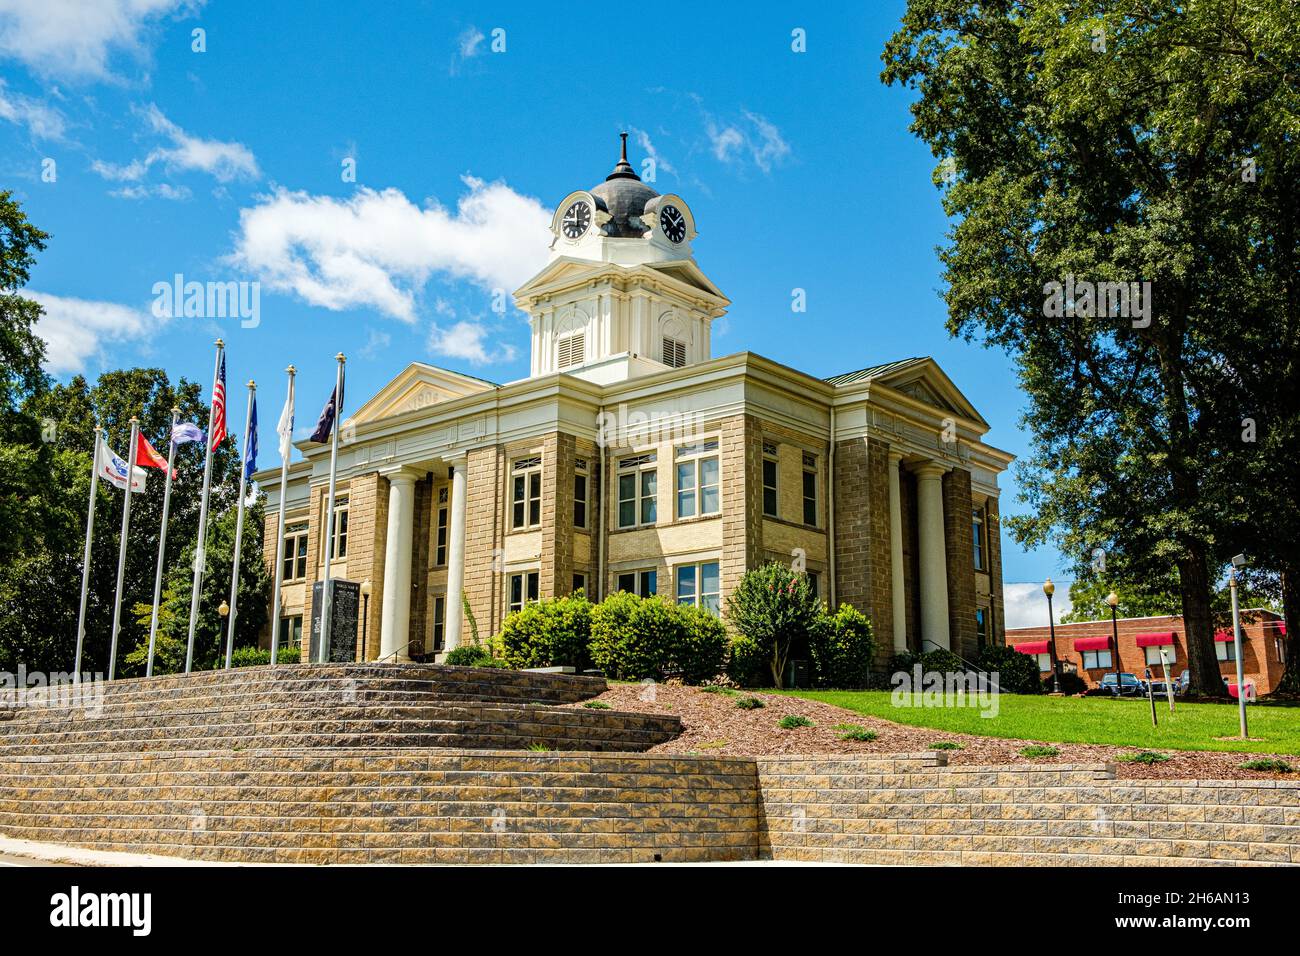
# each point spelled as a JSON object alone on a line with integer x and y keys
{"x": 1112, "y": 143}
{"x": 774, "y": 607}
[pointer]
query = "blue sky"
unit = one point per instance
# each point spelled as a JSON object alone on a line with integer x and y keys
{"x": 228, "y": 164}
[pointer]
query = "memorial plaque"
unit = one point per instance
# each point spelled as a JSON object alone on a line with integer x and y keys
{"x": 343, "y": 620}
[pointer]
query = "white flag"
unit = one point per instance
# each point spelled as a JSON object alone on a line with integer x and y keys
{"x": 285, "y": 428}
{"x": 112, "y": 468}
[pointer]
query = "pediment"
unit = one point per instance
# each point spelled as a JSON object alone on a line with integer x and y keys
{"x": 928, "y": 384}
{"x": 419, "y": 386}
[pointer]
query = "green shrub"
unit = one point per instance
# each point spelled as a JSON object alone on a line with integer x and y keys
{"x": 254, "y": 656}
{"x": 945, "y": 745}
{"x": 468, "y": 655}
{"x": 1039, "y": 750}
{"x": 718, "y": 689}
{"x": 1016, "y": 673}
{"x": 1069, "y": 683}
{"x": 552, "y": 633}
{"x": 855, "y": 732}
{"x": 791, "y": 721}
{"x": 747, "y": 664}
{"x": 750, "y": 703}
{"x": 774, "y": 607}
{"x": 597, "y": 705}
{"x": 842, "y": 649}
{"x": 1142, "y": 756}
{"x": 942, "y": 662}
{"x": 634, "y": 638}
{"x": 1268, "y": 765}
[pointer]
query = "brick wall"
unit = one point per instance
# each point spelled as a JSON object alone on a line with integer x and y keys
{"x": 959, "y": 545}
{"x": 997, "y": 606}
{"x": 484, "y": 522}
{"x": 556, "y": 578}
{"x": 741, "y": 454}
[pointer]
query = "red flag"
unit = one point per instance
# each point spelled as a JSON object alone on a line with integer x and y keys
{"x": 147, "y": 457}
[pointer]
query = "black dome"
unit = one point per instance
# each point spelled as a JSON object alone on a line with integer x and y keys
{"x": 625, "y": 198}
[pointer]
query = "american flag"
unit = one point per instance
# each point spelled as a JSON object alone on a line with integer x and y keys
{"x": 219, "y": 405}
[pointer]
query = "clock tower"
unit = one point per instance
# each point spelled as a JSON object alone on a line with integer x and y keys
{"x": 622, "y": 295}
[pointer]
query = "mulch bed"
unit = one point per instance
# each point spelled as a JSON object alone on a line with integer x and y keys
{"x": 715, "y": 726}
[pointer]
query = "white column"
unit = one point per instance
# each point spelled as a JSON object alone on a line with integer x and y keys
{"x": 395, "y": 617}
{"x": 898, "y": 594}
{"x": 934, "y": 560}
{"x": 455, "y": 558}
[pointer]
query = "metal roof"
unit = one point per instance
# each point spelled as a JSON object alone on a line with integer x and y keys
{"x": 875, "y": 371}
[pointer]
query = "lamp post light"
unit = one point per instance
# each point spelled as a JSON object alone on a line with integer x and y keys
{"x": 1049, "y": 589}
{"x": 365, "y": 616}
{"x": 224, "y": 610}
{"x": 1237, "y": 562}
{"x": 1113, "y": 600}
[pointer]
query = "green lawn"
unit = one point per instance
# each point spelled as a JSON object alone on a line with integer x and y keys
{"x": 1090, "y": 720}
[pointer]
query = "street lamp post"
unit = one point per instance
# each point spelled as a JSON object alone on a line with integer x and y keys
{"x": 224, "y": 610}
{"x": 365, "y": 615}
{"x": 1049, "y": 589}
{"x": 1113, "y": 600}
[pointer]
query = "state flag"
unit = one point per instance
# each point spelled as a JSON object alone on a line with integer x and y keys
{"x": 112, "y": 469}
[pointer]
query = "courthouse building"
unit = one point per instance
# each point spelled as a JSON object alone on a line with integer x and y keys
{"x": 632, "y": 458}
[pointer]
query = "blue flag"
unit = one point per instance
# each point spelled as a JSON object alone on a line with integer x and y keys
{"x": 325, "y": 424}
{"x": 250, "y": 450}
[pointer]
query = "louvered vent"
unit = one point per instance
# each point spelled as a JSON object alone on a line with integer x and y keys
{"x": 572, "y": 350}
{"x": 674, "y": 352}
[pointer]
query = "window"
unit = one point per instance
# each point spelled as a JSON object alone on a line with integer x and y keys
{"x": 291, "y": 631}
{"x": 1044, "y": 662}
{"x": 579, "y": 583}
{"x": 523, "y": 590}
{"x": 641, "y": 583}
{"x": 638, "y": 482}
{"x": 701, "y": 585}
{"x": 814, "y": 584}
{"x": 1153, "y": 655}
{"x": 580, "y": 492}
{"x": 674, "y": 352}
{"x": 977, "y": 535}
{"x": 1096, "y": 660}
{"x": 981, "y": 627}
{"x": 439, "y": 622}
{"x": 440, "y": 542}
{"x": 572, "y": 350}
{"x": 1225, "y": 650}
{"x": 769, "y": 479}
{"x": 339, "y": 545}
{"x": 809, "y": 488}
{"x": 698, "y": 490}
{"x": 293, "y": 553}
{"x": 526, "y": 493}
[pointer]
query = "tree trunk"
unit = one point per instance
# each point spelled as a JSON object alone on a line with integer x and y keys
{"x": 1290, "y": 682}
{"x": 1198, "y": 624}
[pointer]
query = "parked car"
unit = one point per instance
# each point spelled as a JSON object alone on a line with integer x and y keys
{"x": 1122, "y": 685}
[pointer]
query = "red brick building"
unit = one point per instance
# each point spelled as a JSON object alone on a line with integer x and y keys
{"x": 1089, "y": 646}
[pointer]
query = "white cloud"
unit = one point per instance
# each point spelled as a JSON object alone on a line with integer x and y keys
{"x": 221, "y": 160}
{"x": 376, "y": 342}
{"x": 43, "y": 122}
{"x": 377, "y": 249}
{"x": 753, "y": 139}
{"x": 468, "y": 45}
{"x": 74, "y": 330}
{"x": 648, "y": 147}
{"x": 469, "y": 341}
{"x": 1025, "y": 605}
{"x": 160, "y": 191}
{"x": 76, "y": 39}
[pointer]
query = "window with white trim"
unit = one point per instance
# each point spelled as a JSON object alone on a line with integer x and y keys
{"x": 293, "y": 552}
{"x": 809, "y": 488}
{"x": 643, "y": 583}
{"x": 701, "y": 585}
{"x": 1153, "y": 655}
{"x": 339, "y": 545}
{"x": 981, "y": 627}
{"x": 439, "y": 622}
{"x": 1096, "y": 660}
{"x": 674, "y": 352}
{"x": 770, "y": 467}
{"x": 699, "y": 491}
{"x": 526, "y": 493}
{"x": 522, "y": 589}
{"x": 977, "y": 535}
{"x": 581, "y": 483}
{"x": 1225, "y": 650}
{"x": 440, "y": 540}
{"x": 638, "y": 489}
{"x": 571, "y": 350}
{"x": 1044, "y": 662}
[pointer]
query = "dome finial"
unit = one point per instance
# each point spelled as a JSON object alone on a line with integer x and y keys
{"x": 623, "y": 169}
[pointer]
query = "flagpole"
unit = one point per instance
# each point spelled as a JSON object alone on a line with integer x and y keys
{"x": 239, "y": 528}
{"x": 85, "y": 558}
{"x": 201, "y": 549}
{"x": 121, "y": 551}
{"x": 326, "y": 603}
{"x": 279, "y": 529}
{"x": 162, "y": 542}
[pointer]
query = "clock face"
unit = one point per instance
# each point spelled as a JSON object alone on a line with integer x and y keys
{"x": 576, "y": 219}
{"x": 673, "y": 223}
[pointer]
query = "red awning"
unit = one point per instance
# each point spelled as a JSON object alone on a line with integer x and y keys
{"x": 1092, "y": 644}
{"x": 1223, "y": 636}
{"x": 1155, "y": 639}
{"x": 1033, "y": 647}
